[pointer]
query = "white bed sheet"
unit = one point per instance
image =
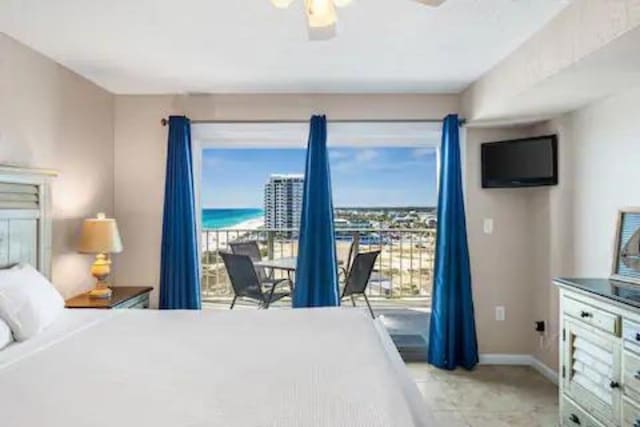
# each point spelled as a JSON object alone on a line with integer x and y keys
{"x": 320, "y": 367}
{"x": 67, "y": 324}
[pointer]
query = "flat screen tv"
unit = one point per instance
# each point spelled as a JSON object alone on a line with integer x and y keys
{"x": 527, "y": 162}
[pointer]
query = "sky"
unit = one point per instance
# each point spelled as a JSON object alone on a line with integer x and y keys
{"x": 361, "y": 177}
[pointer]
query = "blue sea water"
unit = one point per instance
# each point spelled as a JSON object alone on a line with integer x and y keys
{"x": 223, "y": 218}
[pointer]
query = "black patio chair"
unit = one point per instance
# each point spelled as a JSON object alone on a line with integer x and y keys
{"x": 252, "y": 250}
{"x": 246, "y": 284}
{"x": 358, "y": 277}
{"x": 354, "y": 248}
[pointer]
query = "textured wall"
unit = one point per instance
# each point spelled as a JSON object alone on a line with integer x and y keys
{"x": 577, "y": 32}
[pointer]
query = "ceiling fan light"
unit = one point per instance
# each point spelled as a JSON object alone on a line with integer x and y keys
{"x": 432, "y": 3}
{"x": 342, "y": 3}
{"x": 281, "y": 4}
{"x": 320, "y": 13}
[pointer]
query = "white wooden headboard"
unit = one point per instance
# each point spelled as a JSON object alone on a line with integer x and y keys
{"x": 25, "y": 217}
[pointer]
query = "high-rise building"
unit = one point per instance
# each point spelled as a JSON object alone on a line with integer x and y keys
{"x": 283, "y": 201}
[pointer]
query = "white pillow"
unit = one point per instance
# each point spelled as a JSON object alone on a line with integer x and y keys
{"x": 6, "y": 337}
{"x": 28, "y": 301}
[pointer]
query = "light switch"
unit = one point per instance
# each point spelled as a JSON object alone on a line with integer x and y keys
{"x": 500, "y": 313}
{"x": 488, "y": 226}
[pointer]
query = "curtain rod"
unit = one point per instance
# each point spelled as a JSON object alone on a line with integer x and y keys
{"x": 165, "y": 121}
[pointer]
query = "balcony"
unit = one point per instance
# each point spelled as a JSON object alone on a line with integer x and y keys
{"x": 402, "y": 275}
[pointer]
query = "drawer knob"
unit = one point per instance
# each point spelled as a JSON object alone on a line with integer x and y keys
{"x": 585, "y": 314}
{"x": 574, "y": 419}
{"x": 614, "y": 384}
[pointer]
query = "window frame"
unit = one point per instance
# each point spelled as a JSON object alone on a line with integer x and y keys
{"x": 294, "y": 134}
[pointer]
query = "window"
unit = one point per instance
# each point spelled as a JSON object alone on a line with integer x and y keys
{"x": 384, "y": 190}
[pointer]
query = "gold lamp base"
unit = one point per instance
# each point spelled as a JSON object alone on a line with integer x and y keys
{"x": 103, "y": 293}
{"x": 100, "y": 269}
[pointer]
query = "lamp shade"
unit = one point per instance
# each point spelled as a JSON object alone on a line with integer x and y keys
{"x": 100, "y": 236}
{"x": 281, "y": 4}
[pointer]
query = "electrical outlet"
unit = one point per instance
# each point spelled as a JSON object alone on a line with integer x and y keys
{"x": 500, "y": 313}
{"x": 488, "y": 226}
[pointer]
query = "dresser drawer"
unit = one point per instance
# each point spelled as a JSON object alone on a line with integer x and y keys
{"x": 141, "y": 302}
{"x": 631, "y": 331}
{"x": 631, "y": 374}
{"x": 573, "y": 416}
{"x": 591, "y": 315}
{"x": 630, "y": 414}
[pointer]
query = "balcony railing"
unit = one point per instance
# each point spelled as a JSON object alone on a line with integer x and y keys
{"x": 404, "y": 268}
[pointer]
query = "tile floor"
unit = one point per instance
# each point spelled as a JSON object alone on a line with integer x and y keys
{"x": 489, "y": 396}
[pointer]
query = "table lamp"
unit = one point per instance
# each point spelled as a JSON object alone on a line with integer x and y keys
{"x": 100, "y": 237}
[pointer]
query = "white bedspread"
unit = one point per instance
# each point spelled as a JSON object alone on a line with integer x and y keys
{"x": 69, "y": 322}
{"x": 290, "y": 368}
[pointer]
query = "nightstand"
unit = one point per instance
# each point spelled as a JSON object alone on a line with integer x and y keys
{"x": 122, "y": 297}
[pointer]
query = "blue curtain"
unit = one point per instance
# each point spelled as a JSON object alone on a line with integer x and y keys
{"x": 452, "y": 333}
{"x": 317, "y": 270}
{"x": 179, "y": 272}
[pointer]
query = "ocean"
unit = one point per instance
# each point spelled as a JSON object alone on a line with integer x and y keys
{"x": 224, "y": 218}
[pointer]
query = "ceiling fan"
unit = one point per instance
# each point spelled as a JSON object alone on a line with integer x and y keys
{"x": 322, "y": 17}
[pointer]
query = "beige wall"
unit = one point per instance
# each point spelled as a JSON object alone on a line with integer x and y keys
{"x": 606, "y": 154}
{"x": 599, "y": 172}
{"x": 52, "y": 118}
{"x": 568, "y": 229}
{"x": 550, "y": 244}
{"x": 501, "y": 264}
{"x": 532, "y": 243}
{"x": 140, "y": 152}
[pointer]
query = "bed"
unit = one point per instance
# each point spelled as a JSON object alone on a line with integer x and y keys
{"x": 315, "y": 367}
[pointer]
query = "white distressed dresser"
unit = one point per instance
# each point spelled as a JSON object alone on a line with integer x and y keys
{"x": 599, "y": 353}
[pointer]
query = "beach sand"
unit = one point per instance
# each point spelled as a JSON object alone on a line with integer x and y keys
{"x": 217, "y": 239}
{"x": 404, "y": 268}
{"x": 251, "y": 224}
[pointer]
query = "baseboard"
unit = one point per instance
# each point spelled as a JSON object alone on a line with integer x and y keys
{"x": 520, "y": 360}
{"x": 545, "y": 371}
{"x": 506, "y": 359}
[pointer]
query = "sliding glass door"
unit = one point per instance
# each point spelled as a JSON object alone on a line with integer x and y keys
{"x": 384, "y": 179}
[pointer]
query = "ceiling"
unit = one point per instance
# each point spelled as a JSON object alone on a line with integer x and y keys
{"x": 248, "y": 46}
{"x": 610, "y": 70}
